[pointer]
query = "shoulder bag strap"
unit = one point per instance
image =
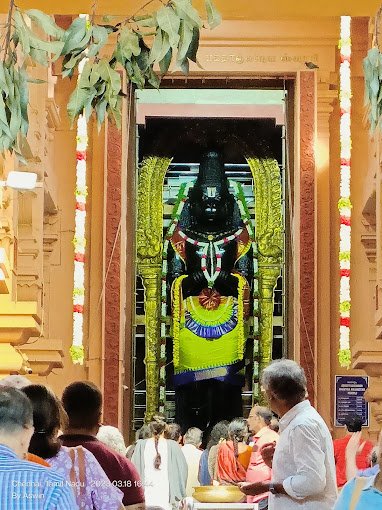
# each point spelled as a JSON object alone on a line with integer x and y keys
{"x": 358, "y": 486}
{"x": 81, "y": 468}
{"x": 72, "y": 474}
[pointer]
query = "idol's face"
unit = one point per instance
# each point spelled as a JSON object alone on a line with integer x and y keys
{"x": 210, "y": 206}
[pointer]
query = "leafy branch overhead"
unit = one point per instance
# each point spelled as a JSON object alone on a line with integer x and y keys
{"x": 141, "y": 46}
{"x": 372, "y": 67}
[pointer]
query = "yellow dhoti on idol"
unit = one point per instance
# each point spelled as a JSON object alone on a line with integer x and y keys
{"x": 209, "y": 333}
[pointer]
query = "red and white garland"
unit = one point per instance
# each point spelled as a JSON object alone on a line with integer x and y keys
{"x": 344, "y": 203}
{"x": 79, "y": 240}
{"x": 211, "y": 249}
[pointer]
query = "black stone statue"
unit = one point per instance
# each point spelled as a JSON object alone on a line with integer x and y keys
{"x": 210, "y": 271}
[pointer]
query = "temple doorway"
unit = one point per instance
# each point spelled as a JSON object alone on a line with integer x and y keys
{"x": 181, "y": 124}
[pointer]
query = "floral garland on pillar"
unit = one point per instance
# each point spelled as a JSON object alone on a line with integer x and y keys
{"x": 79, "y": 240}
{"x": 344, "y": 203}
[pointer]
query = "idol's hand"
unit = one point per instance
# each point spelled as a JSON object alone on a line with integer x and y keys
{"x": 226, "y": 283}
{"x": 194, "y": 283}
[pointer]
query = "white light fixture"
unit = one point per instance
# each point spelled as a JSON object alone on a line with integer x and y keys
{"x": 20, "y": 180}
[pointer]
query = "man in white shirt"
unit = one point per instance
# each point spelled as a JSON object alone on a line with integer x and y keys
{"x": 304, "y": 474}
{"x": 192, "y": 440}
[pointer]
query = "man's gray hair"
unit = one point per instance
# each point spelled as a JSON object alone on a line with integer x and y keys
{"x": 264, "y": 413}
{"x": 193, "y": 436}
{"x": 15, "y": 410}
{"x": 286, "y": 379}
{"x": 15, "y": 381}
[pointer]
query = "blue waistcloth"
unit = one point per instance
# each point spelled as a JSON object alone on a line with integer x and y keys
{"x": 370, "y": 498}
{"x": 28, "y": 486}
{"x": 204, "y": 475}
{"x": 226, "y": 373}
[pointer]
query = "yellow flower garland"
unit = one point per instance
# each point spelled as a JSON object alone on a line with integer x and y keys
{"x": 240, "y": 314}
{"x": 176, "y": 307}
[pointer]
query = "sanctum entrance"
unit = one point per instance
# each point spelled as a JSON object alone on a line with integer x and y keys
{"x": 248, "y": 128}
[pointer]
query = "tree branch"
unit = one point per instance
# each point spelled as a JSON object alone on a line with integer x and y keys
{"x": 9, "y": 28}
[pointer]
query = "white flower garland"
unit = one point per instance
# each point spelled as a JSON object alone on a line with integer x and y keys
{"x": 344, "y": 204}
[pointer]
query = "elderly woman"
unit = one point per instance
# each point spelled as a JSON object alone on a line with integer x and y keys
{"x": 207, "y": 468}
{"x": 363, "y": 493}
{"x": 112, "y": 437}
{"x": 234, "y": 454}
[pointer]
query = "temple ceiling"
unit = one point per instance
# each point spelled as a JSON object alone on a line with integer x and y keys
{"x": 240, "y": 9}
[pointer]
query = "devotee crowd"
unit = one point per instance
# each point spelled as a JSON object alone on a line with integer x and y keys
{"x": 56, "y": 455}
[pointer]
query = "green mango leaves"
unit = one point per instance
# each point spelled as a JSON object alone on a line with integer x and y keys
{"x": 143, "y": 49}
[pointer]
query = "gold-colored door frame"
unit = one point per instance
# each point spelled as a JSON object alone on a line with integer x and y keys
{"x": 268, "y": 232}
{"x": 149, "y": 260}
{"x": 269, "y": 237}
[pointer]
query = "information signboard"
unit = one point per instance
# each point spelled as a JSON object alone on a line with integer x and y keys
{"x": 349, "y": 398}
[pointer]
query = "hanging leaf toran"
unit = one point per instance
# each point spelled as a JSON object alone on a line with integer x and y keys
{"x": 143, "y": 47}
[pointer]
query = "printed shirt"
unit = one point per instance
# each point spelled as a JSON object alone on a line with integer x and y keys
{"x": 370, "y": 497}
{"x": 304, "y": 462}
{"x": 257, "y": 470}
{"x": 25, "y": 485}
{"x": 362, "y": 458}
{"x": 95, "y": 492}
{"x": 120, "y": 471}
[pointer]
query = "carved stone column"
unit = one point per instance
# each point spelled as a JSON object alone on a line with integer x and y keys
{"x": 307, "y": 241}
{"x": 112, "y": 295}
{"x": 268, "y": 280}
{"x": 323, "y": 362}
{"x": 366, "y": 331}
{"x": 367, "y": 352}
{"x": 149, "y": 260}
{"x": 151, "y": 281}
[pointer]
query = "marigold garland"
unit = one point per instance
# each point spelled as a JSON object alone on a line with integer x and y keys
{"x": 176, "y": 310}
{"x": 240, "y": 315}
{"x": 344, "y": 203}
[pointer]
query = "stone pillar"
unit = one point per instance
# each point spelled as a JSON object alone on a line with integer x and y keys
{"x": 366, "y": 280}
{"x": 151, "y": 281}
{"x": 112, "y": 277}
{"x": 325, "y": 272}
{"x": 307, "y": 237}
{"x": 367, "y": 351}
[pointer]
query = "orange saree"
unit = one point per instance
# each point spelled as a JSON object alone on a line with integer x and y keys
{"x": 229, "y": 467}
